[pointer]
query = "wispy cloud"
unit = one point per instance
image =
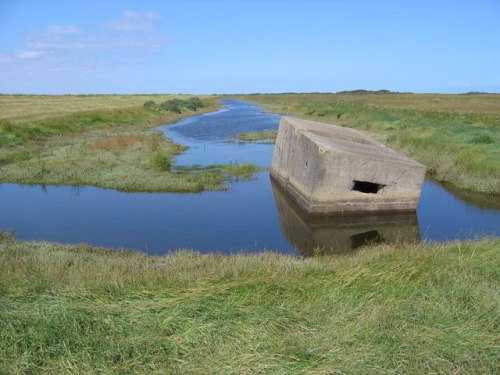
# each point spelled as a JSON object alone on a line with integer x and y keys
{"x": 134, "y": 22}
{"x": 28, "y": 54}
{"x": 67, "y": 47}
{"x": 50, "y": 41}
{"x": 63, "y": 30}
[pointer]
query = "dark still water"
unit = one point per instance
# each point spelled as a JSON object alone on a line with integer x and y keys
{"x": 252, "y": 216}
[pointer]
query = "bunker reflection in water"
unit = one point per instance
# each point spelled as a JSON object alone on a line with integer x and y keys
{"x": 341, "y": 234}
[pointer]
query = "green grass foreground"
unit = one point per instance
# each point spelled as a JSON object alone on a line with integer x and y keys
{"x": 100, "y": 140}
{"x": 457, "y": 137}
{"x": 391, "y": 309}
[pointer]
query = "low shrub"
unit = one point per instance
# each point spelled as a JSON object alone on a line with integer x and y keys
{"x": 176, "y": 105}
{"x": 150, "y": 104}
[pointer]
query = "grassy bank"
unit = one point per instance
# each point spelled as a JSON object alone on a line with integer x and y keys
{"x": 101, "y": 140}
{"x": 387, "y": 309}
{"x": 456, "y": 136}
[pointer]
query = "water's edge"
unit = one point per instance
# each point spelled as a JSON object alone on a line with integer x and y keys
{"x": 252, "y": 216}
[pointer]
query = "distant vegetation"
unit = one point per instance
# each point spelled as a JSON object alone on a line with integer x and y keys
{"x": 345, "y": 92}
{"x": 370, "y": 92}
{"x": 477, "y": 93}
{"x": 389, "y": 309}
{"x": 175, "y": 105}
{"x": 457, "y": 137}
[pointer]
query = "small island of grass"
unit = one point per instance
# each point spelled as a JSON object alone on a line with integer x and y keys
{"x": 266, "y": 137}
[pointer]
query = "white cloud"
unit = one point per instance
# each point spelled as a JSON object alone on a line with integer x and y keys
{"x": 134, "y": 22}
{"x": 150, "y": 43}
{"x": 28, "y": 54}
{"x": 63, "y": 30}
{"x": 50, "y": 41}
{"x": 67, "y": 48}
{"x": 135, "y": 61}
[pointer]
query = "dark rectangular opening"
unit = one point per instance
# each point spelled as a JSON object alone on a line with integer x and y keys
{"x": 366, "y": 187}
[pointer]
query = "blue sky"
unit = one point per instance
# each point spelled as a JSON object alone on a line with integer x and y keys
{"x": 204, "y": 47}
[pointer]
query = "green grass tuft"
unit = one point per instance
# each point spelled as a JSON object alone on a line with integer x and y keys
{"x": 160, "y": 162}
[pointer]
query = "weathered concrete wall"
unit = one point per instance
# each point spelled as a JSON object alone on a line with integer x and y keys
{"x": 331, "y": 169}
{"x": 341, "y": 234}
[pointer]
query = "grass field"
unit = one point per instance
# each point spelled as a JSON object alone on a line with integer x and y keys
{"x": 100, "y": 140}
{"x": 456, "y": 136}
{"x": 398, "y": 309}
{"x": 20, "y": 109}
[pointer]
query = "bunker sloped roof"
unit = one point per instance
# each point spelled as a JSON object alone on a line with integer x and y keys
{"x": 337, "y": 138}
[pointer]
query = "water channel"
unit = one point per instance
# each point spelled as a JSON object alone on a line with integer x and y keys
{"x": 251, "y": 216}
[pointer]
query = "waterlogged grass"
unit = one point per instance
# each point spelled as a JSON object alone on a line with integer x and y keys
{"x": 266, "y": 136}
{"x": 386, "y": 310}
{"x": 233, "y": 171}
{"x": 456, "y": 136}
{"x": 110, "y": 147}
{"x": 128, "y": 161}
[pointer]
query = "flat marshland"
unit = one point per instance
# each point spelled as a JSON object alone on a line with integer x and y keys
{"x": 100, "y": 140}
{"x": 387, "y": 309}
{"x": 457, "y": 137}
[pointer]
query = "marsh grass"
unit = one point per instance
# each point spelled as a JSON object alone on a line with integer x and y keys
{"x": 110, "y": 147}
{"x": 243, "y": 171}
{"x": 76, "y": 123}
{"x": 128, "y": 161}
{"x": 116, "y": 143}
{"x": 387, "y": 309}
{"x": 266, "y": 137}
{"x": 456, "y": 136}
{"x": 233, "y": 171}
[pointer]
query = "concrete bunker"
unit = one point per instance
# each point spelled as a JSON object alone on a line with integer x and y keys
{"x": 331, "y": 169}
